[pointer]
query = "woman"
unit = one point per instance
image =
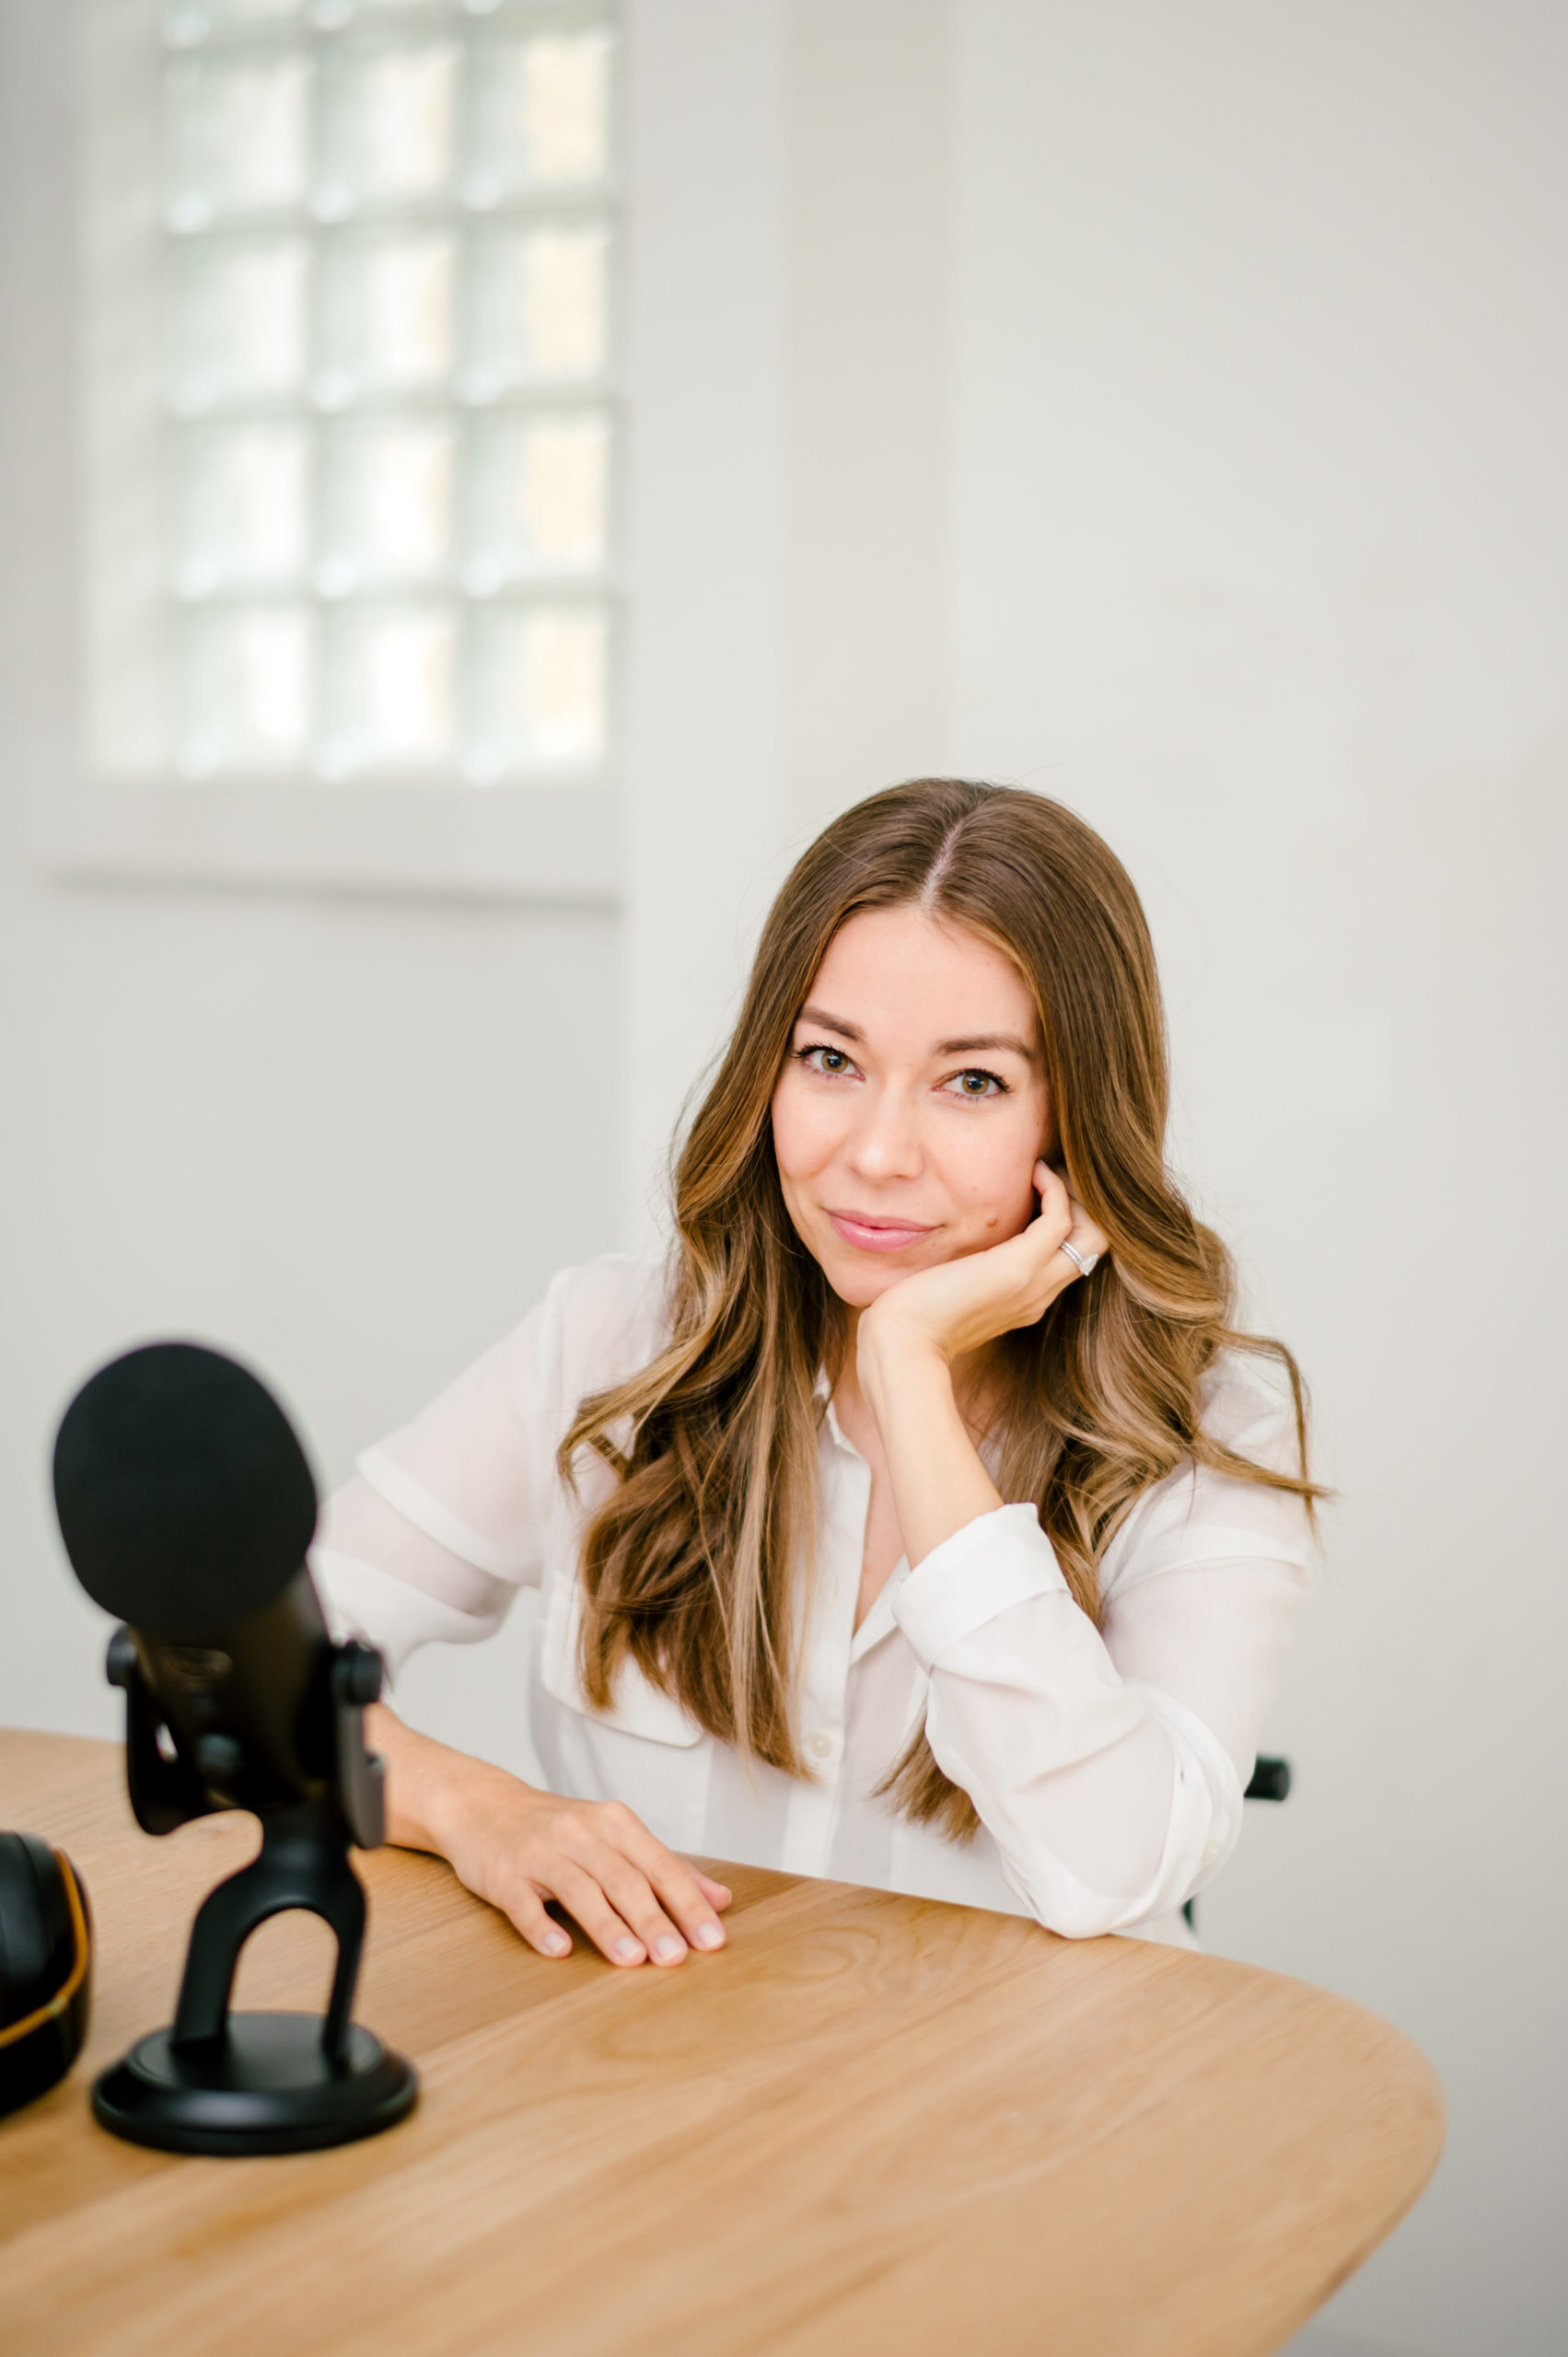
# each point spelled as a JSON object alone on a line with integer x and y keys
{"x": 921, "y": 1521}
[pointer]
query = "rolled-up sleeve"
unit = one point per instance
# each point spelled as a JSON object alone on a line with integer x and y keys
{"x": 1107, "y": 1764}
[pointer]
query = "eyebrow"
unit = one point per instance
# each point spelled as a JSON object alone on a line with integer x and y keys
{"x": 987, "y": 1039}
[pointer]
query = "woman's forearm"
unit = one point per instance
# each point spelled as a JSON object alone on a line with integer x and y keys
{"x": 939, "y": 1484}
{"x": 425, "y": 1781}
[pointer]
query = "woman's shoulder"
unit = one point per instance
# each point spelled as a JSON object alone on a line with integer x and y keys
{"x": 595, "y": 1324}
{"x": 611, "y": 1285}
{"x": 1248, "y": 1407}
{"x": 603, "y": 1319}
{"x": 1198, "y": 1511}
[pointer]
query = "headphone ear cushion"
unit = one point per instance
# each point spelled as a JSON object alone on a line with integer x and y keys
{"x": 34, "y": 1925}
{"x": 45, "y": 1967}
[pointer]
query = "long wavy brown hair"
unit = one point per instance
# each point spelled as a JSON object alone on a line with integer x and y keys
{"x": 695, "y": 1564}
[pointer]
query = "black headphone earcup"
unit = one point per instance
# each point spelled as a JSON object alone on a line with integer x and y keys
{"x": 34, "y": 1925}
{"x": 45, "y": 1967}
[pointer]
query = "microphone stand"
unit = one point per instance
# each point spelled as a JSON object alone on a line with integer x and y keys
{"x": 303, "y": 1862}
{"x": 224, "y": 2083}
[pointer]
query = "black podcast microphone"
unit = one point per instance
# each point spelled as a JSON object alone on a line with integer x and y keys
{"x": 187, "y": 1508}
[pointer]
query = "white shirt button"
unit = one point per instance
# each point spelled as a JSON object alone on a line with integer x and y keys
{"x": 821, "y": 1745}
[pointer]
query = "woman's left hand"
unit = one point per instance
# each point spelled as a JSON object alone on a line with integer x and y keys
{"x": 960, "y": 1304}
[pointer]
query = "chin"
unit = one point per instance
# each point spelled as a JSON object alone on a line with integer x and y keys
{"x": 860, "y": 1279}
{"x": 858, "y": 1288}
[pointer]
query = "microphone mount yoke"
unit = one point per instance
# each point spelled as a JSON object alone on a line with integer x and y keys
{"x": 218, "y": 2082}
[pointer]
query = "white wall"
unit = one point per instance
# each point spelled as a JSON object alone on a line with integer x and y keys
{"x": 1159, "y": 406}
{"x": 1259, "y": 512}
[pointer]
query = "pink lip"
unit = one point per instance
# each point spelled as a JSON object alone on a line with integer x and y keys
{"x": 876, "y": 1235}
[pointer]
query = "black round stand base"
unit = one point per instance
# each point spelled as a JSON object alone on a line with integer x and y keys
{"x": 267, "y": 2086}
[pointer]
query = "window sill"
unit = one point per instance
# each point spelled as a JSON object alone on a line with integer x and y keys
{"x": 552, "y": 844}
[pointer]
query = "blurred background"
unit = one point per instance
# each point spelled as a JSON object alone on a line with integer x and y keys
{"x": 481, "y": 485}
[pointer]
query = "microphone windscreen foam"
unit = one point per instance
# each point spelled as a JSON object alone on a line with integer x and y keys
{"x": 185, "y": 1498}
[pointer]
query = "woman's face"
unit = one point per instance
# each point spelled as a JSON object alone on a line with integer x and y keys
{"x": 912, "y": 1106}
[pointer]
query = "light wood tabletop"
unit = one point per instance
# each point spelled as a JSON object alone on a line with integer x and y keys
{"x": 870, "y": 2124}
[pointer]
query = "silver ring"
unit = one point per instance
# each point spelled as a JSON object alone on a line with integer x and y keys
{"x": 1084, "y": 1262}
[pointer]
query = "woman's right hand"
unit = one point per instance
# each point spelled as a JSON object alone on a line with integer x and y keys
{"x": 517, "y": 1847}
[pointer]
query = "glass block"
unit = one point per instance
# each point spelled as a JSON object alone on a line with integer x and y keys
{"x": 243, "y": 507}
{"x": 247, "y": 688}
{"x": 387, "y": 318}
{"x": 238, "y": 136}
{"x": 538, "y": 307}
{"x": 242, "y": 320}
{"x": 538, "y": 498}
{"x": 541, "y": 115}
{"x": 388, "y": 126}
{"x": 386, "y": 503}
{"x": 539, "y": 686}
{"x": 390, "y": 689}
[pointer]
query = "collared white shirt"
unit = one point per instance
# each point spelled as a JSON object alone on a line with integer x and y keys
{"x": 1107, "y": 1765}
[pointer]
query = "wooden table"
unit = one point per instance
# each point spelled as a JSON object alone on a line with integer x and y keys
{"x": 870, "y": 2125}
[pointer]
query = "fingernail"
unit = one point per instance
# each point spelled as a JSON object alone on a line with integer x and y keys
{"x": 627, "y": 1951}
{"x": 669, "y": 1950}
{"x": 555, "y": 1944}
{"x": 708, "y": 1936}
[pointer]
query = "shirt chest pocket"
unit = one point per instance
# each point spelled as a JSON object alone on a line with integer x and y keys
{"x": 637, "y": 1708}
{"x": 644, "y": 1749}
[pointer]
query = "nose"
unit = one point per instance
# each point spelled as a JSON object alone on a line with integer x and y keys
{"x": 886, "y": 1140}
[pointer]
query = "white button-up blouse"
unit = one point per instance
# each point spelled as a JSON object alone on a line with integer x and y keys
{"x": 1107, "y": 1765}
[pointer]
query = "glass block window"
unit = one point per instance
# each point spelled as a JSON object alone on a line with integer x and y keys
{"x": 386, "y": 296}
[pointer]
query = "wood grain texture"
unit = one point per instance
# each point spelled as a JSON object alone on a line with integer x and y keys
{"x": 870, "y": 2124}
